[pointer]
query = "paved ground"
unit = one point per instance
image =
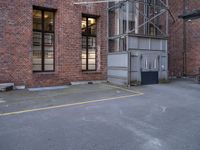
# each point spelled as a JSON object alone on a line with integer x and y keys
{"x": 101, "y": 117}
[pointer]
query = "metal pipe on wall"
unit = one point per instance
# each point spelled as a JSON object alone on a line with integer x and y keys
{"x": 184, "y": 40}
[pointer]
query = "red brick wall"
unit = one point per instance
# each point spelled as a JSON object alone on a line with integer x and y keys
{"x": 176, "y": 39}
{"x": 176, "y": 46}
{"x": 193, "y": 41}
{"x": 16, "y": 42}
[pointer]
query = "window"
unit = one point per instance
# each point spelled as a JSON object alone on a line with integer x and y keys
{"x": 43, "y": 39}
{"x": 155, "y": 63}
{"x": 146, "y": 64}
{"x": 88, "y": 43}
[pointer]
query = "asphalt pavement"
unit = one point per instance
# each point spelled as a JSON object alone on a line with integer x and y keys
{"x": 102, "y": 117}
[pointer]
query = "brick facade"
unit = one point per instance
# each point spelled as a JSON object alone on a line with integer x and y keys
{"x": 16, "y": 42}
{"x": 176, "y": 40}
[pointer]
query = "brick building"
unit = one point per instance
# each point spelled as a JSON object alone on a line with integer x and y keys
{"x": 184, "y": 40}
{"x": 52, "y": 42}
{"x": 55, "y": 42}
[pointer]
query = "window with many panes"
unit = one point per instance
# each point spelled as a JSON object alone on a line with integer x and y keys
{"x": 43, "y": 39}
{"x": 88, "y": 43}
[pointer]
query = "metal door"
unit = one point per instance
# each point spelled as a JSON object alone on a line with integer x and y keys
{"x": 149, "y": 71}
{"x": 150, "y": 77}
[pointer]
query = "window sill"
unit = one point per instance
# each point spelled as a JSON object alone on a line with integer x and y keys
{"x": 91, "y": 72}
{"x": 45, "y": 73}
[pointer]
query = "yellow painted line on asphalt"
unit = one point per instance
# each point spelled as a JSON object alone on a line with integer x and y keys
{"x": 121, "y": 88}
{"x": 67, "y": 105}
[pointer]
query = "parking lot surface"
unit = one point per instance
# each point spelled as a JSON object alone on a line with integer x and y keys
{"x": 102, "y": 117}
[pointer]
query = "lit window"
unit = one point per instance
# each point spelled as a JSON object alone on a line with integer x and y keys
{"x": 43, "y": 40}
{"x": 88, "y": 43}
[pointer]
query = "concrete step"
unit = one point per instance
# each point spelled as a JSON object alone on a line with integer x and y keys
{"x": 6, "y": 87}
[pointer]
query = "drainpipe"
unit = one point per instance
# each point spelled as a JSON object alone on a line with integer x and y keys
{"x": 127, "y": 44}
{"x": 185, "y": 2}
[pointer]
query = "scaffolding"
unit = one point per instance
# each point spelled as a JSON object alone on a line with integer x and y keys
{"x": 128, "y": 18}
{"x": 137, "y": 39}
